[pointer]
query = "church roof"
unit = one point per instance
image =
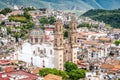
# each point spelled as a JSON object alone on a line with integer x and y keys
{"x": 37, "y": 33}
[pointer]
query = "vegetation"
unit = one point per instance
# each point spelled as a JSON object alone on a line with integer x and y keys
{"x": 29, "y": 9}
{"x": 65, "y": 33}
{"x": 54, "y": 71}
{"x": 5, "y": 11}
{"x": 47, "y": 20}
{"x": 8, "y": 30}
{"x": 27, "y": 24}
{"x": 77, "y": 74}
{"x": 71, "y": 72}
{"x": 18, "y": 18}
{"x": 111, "y": 17}
{"x": 117, "y": 42}
{"x": 111, "y": 53}
{"x": 21, "y": 18}
{"x": 69, "y": 66}
{"x": 87, "y": 25}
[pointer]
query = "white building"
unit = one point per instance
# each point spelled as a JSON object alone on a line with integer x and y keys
{"x": 39, "y": 55}
{"x": 36, "y": 51}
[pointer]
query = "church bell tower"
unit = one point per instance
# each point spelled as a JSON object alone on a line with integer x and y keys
{"x": 73, "y": 39}
{"x": 58, "y": 45}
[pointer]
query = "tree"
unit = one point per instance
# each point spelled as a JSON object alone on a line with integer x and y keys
{"x": 8, "y": 30}
{"x": 69, "y": 66}
{"x": 111, "y": 53}
{"x": 51, "y": 20}
{"x": 117, "y": 42}
{"x": 29, "y": 9}
{"x": 16, "y": 35}
{"x": 65, "y": 34}
{"x": 47, "y": 20}
{"x": 44, "y": 20}
{"x": 77, "y": 74}
{"x": 5, "y": 11}
{"x": 46, "y": 71}
{"x": 27, "y": 15}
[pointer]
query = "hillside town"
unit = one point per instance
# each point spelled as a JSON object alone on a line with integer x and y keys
{"x": 35, "y": 40}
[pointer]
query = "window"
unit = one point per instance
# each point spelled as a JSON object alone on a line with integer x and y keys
{"x": 36, "y": 40}
{"x": 74, "y": 57}
{"x": 50, "y": 52}
{"x": 60, "y": 64}
{"x": 31, "y": 39}
{"x": 60, "y": 42}
{"x": 38, "y": 49}
{"x": 74, "y": 53}
{"x": 44, "y": 50}
{"x": 60, "y": 55}
{"x": 55, "y": 42}
{"x": 60, "y": 59}
{"x": 66, "y": 51}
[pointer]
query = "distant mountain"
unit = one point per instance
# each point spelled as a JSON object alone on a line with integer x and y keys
{"x": 111, "y": 17}
{"x": 64, "y": 4}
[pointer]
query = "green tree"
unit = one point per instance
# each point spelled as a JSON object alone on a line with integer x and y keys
{"x": 77, "y": 74}
{"x": 16, "y": 34}
{"x": 47, "y": 20}
{"x": 27, "y": 15}
{"x": 8, "y": 30}
{"x": 69, "y": 66}
{"x": 46, "y": 71}
{"x": 5, "y": 11}
{"x": 65, "y": 33}
{"x": 29, "y": 25}
{"x": 117, "y": 42}
{"x": 44, "y": 20}
{"x": 29, "y": 9}
{"x": 111, "y": 53}
{"x": 51, "y": 20}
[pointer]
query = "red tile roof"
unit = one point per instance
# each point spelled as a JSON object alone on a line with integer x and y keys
{"x": 9, "y": 69}
{"x": 26, "y": 75}
{"x": 4, "y": 62}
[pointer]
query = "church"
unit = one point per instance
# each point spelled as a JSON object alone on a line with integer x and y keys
{"x": 65, "y": 50}
{"x": 37, "y": 52}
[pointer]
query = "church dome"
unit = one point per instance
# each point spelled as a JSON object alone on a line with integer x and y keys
{"x": 37, "y": 33}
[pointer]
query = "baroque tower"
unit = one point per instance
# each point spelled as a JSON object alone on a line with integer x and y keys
{"x": 72, "y": 37}
{"x": 58, "y": 45}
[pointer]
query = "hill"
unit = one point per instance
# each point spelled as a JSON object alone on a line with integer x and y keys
{"x": 111, "y": 17}
{"x": 64, "y": 4}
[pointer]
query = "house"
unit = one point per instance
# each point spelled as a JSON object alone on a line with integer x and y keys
{"x": 18, "y": 75}
{"x": 2, "y": 17}
{"x": 52, "y": 77}
{"x": 16, "y": 12}
{"x": 36, "y": 13}
{"x": 49, "y": 32}
{"x": 12, "y": 23}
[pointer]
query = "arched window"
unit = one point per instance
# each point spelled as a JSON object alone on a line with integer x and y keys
{"x": 31, "y": 39}
{"x": 36, "y": 40}
{"x": 44, "y": 50}
{"x": 50, "y": 52}
{"x": 60, "y": 42}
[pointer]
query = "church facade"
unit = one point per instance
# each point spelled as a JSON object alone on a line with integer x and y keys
{"x": 65, "y": 50}
{"x": 39, "y": 53}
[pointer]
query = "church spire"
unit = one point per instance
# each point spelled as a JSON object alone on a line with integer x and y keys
{"x": 58, "y": 45}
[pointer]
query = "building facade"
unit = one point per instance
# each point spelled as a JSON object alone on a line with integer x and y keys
{"x": 65, "y": 50}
